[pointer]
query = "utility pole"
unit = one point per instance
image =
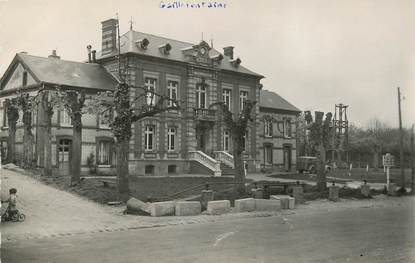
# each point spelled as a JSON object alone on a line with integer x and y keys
{"x": 401, "y": 142}
{"x": 412, "y": 161}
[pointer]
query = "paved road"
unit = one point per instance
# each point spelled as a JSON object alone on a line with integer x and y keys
{"x": 372, "y": 234}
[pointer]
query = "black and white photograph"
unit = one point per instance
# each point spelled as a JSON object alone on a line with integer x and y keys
{"x": 266, "y": 131}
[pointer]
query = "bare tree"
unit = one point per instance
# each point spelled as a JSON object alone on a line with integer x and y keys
{"x": 74, "y": 102}
{"x": 25, "y": 103}
{"x": 320, "y": 135}
{"x": 237, "y": 125}
{"x": 12, "y": 110}
{"x": 127, "y": 112}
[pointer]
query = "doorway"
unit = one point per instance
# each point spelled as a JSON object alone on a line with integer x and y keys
{"x": 287, "y": 158}
{"x": 64, "y": 155}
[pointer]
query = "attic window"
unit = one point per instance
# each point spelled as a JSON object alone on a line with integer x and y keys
{"x": 236, "y": 62}
{"x": 24, "y": 79}
{"x": 165, "y": 49}
{"x": 142, "y": 43}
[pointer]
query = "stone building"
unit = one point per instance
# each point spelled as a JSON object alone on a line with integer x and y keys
{"x": 190, "y": 140}
{"x": 31, "y": 74}
{"x": 277, "y": 137}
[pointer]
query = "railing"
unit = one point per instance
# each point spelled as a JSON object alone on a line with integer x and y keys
{"x": 205, "y": 113}
{"x": 207, "y": 161}
{"x": 225, "y": 158}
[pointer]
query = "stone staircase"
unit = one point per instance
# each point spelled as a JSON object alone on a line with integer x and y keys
{"x": 226, "y": 170}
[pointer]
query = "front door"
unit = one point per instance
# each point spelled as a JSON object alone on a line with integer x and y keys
{"x": 202, "y": 137}
{"x": 64, "y": 155}
{"x": 287, "y": 158}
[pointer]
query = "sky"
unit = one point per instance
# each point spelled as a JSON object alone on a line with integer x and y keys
{"x": 314, "y": 53}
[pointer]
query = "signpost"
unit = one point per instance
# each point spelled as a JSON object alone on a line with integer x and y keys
{"x": 388, "y": 161}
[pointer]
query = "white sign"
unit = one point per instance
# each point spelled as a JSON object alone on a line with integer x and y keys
{"x": 388, "y": 160}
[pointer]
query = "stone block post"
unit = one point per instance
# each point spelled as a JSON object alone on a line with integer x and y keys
{"x": 298, "y": 194}
{"x": 207, "y": 195}
{"x": 365, "y": 190}
{"x": 333, "y": 193}
{"x": 258, "y": 193}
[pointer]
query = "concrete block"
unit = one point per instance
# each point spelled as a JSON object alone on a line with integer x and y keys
{"x": 298, "y": 194}
{"x": 392, "y": 189}
{"x": 218, "y": 207}
{"x": 162, "y": 208}
{"x": 189, "y": 208}
{"x": 286, "y": 201}
{"x": 334, "y": 193}
{"x": 136, "y": 205}
{"x": 207, "y": 195}
{"x": 267, "y": 205}
{"x": 258, "y": 193}
{"x": 365, "y": 190}
{"x": 245, "y": 205}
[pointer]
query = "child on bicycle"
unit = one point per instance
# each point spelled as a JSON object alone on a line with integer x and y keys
{"x": 12, "y": 201}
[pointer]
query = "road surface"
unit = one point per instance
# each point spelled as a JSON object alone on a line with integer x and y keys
{"x": 363, "y": 234}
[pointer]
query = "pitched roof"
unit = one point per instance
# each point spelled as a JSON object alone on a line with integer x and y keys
{"x": 67, "y": 73}
{"x": 128, "y": 44}
{"x": 272, "y": 100}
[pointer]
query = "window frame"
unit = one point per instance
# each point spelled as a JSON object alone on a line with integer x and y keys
{"x": 227, "y": 94}
{"x": 63, "y": 113}
{"x": 171, "y": 147}
{"x": 243, "y": 97}
{"x": 201, "y": 89}
{"x": 170, "y": 89}
{"x": 226, "y": 141}
{"x": 147, "y": 135}
{"x": 150, "y": 98}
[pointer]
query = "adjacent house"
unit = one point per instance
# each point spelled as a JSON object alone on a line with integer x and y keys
{"x": 277, "y": 135}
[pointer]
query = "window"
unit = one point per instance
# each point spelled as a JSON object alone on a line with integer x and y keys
{"x": 149, "y": 169}
{"x": 171, "y": 139}
{"x": 104, "y": 152}
{"x": 24, "y": 79}
{"x": 226, "y": 141}
{"x": 172, "y": 87}
{"x": 268, "y": 154}
{"x": 245, "y": 141}
{"x": 150, "y": 85}
{"x": 65, "y": 119}
{"x": 243, "y": 97}
{"x": 201, "y": 96}
{"x": 105, "y": 119}
{"x": 267, "y": 128}
{"x": 149, "y": 138}
{"x": 226, "y": 97}
{"x": 287, "y": 128}
{"x": 171, "y": 169}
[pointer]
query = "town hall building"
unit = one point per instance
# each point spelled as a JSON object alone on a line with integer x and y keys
{"x": 190, "y": 140}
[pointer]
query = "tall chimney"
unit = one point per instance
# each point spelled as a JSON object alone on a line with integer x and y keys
{"x": 228, "y": 51}
{"x": 109, "y": 36}
{"x": 89, "y": 47}
{"x": 53, "y": 55}
{"x": 94, "y": 58}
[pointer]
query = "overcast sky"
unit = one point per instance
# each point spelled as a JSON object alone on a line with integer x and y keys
{"x": 315, "y": 53}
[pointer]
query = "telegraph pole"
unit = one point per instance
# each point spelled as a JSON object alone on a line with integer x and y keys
{"x": 401, "y": 142}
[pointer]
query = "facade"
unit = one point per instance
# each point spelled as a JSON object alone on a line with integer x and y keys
{"x": 277, "y": 135}
{"x": 31, "y": 74}
{"x": 196, "y": 75}
{"x": 192, "y": 140}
